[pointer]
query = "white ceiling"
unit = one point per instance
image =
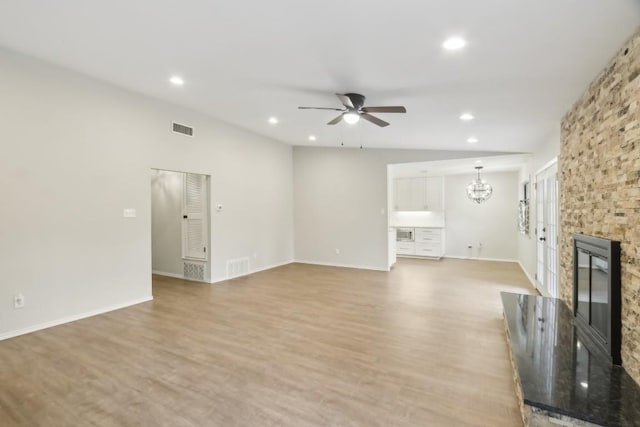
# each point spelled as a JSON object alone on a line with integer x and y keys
{"x": 243, "y": 61}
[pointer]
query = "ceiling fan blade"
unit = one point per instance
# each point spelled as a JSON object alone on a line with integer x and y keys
{"x": 320, "y": 108}
{"x": 336, "y": 120}
{"x": 384, "y": 109}
{"x": 346, "y": 101}
{"x": 374, "y": 120}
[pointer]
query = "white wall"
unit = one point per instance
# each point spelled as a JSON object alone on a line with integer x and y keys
{"x": 167, "y": 192}
{"x": 547, "y": 151}
{"x": 492, "y": 223}
{"x": 76, "y": 151}
{"x": 340, "y": 202}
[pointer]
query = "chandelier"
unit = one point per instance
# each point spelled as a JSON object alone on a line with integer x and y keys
{"x": 478, "y": 190}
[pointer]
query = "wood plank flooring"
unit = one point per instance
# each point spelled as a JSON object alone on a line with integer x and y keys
{"x": 299, "y": 345}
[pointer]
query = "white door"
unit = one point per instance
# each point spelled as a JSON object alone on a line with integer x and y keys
{"x": 194, "y": 217}
{"x": 546, "y": 231}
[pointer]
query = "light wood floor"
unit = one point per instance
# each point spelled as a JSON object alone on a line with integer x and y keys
{"x": 299, "y": 346}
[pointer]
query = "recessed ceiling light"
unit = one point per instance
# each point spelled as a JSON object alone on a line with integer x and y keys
{"x": 472, "y": 140}
{"x": 478, "y": 161}
{"x": 466, "y": 117}
{"x": 176, "y": 80}
{"x": 454, "y": 43}
{"x": 312, "y": 138}
{"x": 273, "y": 120}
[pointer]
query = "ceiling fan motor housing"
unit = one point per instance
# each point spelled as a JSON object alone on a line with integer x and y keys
{"x": 356, "y": 99}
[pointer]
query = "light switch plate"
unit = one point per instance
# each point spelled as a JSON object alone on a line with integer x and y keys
{"x": 129, "y": 213}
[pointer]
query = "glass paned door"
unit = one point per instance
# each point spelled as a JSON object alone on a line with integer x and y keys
{"x": 547, "y": 231}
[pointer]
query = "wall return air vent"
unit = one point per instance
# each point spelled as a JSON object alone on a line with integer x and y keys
{"x": 185, "y": 130}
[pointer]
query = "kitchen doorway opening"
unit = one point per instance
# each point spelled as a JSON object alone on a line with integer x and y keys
{"x": 180, "y": 224}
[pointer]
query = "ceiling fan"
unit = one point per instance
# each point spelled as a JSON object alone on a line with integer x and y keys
{"x": 354, "y": 109}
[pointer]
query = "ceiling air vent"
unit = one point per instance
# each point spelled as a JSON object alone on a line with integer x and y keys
{"x": 185, "y": 130}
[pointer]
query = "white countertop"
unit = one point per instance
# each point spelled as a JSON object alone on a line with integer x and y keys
{"x": 415, "y": 226}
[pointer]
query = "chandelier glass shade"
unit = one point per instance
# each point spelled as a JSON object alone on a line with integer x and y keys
{"x": 479, "y": 190}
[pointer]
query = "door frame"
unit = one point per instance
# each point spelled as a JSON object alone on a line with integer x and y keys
{"x": 541, "y": 284}
{"x": 208, "y": 263}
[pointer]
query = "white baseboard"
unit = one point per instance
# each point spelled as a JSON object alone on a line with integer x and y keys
{"x": 531, "y": 280}
{"x": 330, "y": 264}
{"x": 73, "y": 318}
{"x": 480, "y": 258}
{"x": 269, "y": 267}
{"x": 164, "y": 273}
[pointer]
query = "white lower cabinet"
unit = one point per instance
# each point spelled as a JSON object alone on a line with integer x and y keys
{"x": 405, "y": 248}
{"x": 426, "y": 249}
{"x": 428, "y": 242}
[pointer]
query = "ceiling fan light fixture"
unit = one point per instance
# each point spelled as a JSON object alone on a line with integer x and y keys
{"x": 351, "y": 118}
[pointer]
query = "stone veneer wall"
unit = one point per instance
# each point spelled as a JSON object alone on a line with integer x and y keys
{"x": 600, "y": 182}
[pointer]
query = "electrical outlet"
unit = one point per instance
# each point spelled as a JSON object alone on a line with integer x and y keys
{"x": 337, "y": 251}
{"x": 18, "y": 301}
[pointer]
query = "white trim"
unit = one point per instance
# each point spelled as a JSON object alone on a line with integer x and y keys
{"x": 547, "y": 165}
{"x": 329, "y": 264}
{"x": 526, "y": 273}
{"x": 269, "y": 267}
{"x": 177, "y": 276}
{"x": 164, "y": 273}
{"x": 432, "y": 258}
{"x": 544, "y": 293}
{"x": 73, "y": 318}
{"x": 480, "y": 259}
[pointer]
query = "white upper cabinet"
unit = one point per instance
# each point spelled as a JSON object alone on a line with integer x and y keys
{"x": 435, "y": 193}
{"x": 418, "y": 194}
{"x": 402, "y": 194}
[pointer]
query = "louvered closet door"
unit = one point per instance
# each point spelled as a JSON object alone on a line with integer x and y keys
{"x": 194, "y": 216}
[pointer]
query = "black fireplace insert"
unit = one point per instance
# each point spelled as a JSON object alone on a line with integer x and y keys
{"x": 597, "y": 300}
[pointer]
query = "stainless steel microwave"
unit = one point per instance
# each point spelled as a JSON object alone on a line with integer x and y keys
{"x": 405, "y": 234}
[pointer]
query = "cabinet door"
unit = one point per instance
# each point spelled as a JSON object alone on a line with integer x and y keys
{"x": 428, "y": 249}
{"x": 434, "y": 193}
{"x": 411, "y": 194}
{"x": 419, "y": 194}
{"x": 403, "y": 194}
{"x": 428, "y": 235}
{"x": 406, "y": 248}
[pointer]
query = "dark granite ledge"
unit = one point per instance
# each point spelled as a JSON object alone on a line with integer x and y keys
{"x": 560, "y": 371}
